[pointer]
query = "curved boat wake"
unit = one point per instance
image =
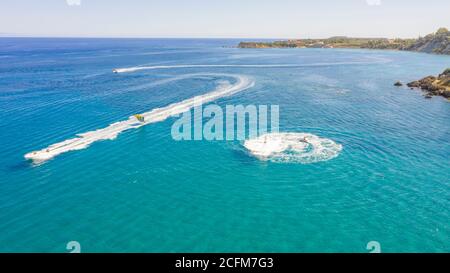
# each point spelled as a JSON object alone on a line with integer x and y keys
{"x": 82, "y": 141}
{"x": 292, "y": 148}
{"x": 322, "y": 149}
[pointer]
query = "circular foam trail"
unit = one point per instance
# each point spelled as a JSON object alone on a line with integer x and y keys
{"x": 300, "y": 148}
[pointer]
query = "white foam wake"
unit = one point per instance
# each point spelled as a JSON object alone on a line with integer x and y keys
{"x": 138, "y": 68}
{"x": 293, "y": 148}
{"x": 83, "y": 141}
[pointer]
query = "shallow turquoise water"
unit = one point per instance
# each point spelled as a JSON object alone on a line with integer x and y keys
{"x": 145, "y": 192}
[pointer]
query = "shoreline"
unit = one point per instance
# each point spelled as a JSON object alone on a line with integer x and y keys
{"x": 437, "y": 43}
{"x": 347, "y": 48}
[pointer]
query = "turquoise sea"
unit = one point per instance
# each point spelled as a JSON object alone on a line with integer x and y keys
{"x": 145, "y": 192}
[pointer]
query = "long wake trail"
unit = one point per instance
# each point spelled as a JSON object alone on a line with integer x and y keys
{"x": 84, "y": 140}
{"x": 138, "y": 68}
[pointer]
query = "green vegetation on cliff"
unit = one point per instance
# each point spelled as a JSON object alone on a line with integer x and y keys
{"x": 438, "y": 43}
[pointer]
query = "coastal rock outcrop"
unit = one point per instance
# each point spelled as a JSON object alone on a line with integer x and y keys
{"x": 434, "y": 86}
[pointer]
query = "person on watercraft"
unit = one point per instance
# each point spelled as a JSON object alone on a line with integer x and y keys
{"x": 139, "y": 118}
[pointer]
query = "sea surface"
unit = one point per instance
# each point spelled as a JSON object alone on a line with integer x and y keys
{"x": 146, "y": 192}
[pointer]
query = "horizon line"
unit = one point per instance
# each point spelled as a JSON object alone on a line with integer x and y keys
{"x": 187, "y": 37}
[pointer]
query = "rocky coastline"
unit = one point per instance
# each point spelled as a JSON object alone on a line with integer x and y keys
{"x": 433, "y": 86}
{"x": 436, "y": 43}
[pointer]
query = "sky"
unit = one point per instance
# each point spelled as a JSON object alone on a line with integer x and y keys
{"x": 223, "y": 18}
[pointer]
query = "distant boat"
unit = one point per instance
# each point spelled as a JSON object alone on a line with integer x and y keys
{"x": 115, "y": 71}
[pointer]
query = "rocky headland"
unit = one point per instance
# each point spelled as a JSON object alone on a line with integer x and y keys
{"x": 434, "y": 86}
{"x": 437, "y": 43}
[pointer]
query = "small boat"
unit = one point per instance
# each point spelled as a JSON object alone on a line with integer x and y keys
{"x": 115, "y": 71}
{"x": 139, "y": 117}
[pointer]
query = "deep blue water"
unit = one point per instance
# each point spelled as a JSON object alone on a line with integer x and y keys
{"x": 145, "y": 192}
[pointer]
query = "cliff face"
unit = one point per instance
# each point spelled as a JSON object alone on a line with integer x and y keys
{"x": 438, "y": 43}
